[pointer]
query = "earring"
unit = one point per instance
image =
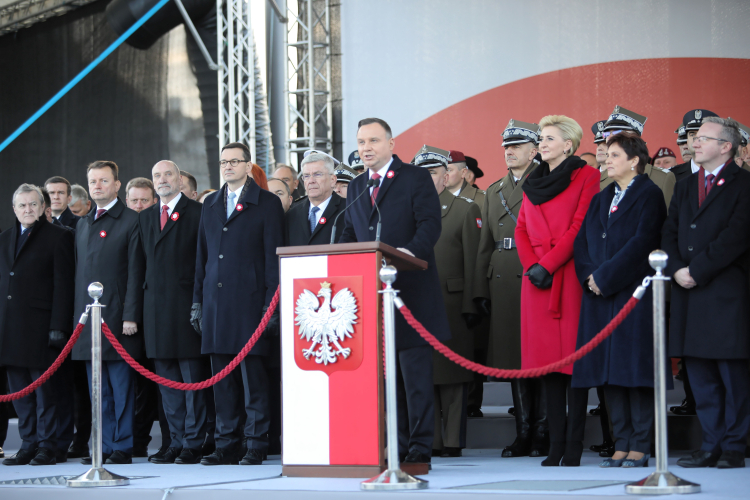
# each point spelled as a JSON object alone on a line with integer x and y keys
{"x": 632, "y": 168}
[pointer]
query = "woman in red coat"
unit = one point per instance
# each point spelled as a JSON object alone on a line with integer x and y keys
{"x": 556, "y": 197}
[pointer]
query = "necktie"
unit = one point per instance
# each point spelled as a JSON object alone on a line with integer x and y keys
{"x": 164, "y": 216}
{"x": 313, "y": 218}
{"x": 230, "y": 204}
{"x": 99, "y": 213}
{"x": 710, "y": 179}
{"x": 375, "y": 189}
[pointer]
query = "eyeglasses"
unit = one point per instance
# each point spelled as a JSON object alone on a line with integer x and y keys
{"x": 704, "y": 139}
{"x": 234, "y": 163}
{"x": 316, "y": 176}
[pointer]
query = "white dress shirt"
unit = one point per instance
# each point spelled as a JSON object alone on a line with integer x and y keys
{"x": 694, "y": 166}
{"x": 237, "y": 193}
{"x": 108, "y": 207}
{"x": 322, "y": 206}
{"x": 380, "y": 172}
{"x": 170, "y": 206}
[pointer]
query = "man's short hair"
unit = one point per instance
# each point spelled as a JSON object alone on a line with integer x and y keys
{"x": 28, "y": 188}
{"x": 58, "y": 180}
{"x": 279, "y": 166}
{"x": 730, "y": 132}
{"x": 382, "y": 123}
{"x": 315, "y": 157}
{"x": 286, "y": 186}
{"x": 104, "y": 164}
{"x": 46, "y": 198}
{"x": 78, "y": 193}
{"x": 238, "y": 145}
{"x": 191, "y": 180}
{"x": 140, "y": 182}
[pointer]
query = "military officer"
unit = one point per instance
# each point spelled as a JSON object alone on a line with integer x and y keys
{"x": 457, "y": 179}
{"x": 664, "y": 159}
{"x": 601, "y": 147}
{"x": 455, "y": 255}
{"x": 685, "y": 152}
{"x": 624, "y": 119}
{"x": 692, "y": 122}
{"x": 344, "y": 175}
{"x": 741, "y": 155}
{"x": 497, "y": 286}
{"x": 355, "y": 162}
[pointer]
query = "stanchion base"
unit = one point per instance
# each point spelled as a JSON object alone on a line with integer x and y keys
{"x": 394, "y": 480}
{"x": 98, "y": 477}
{"x": 662, "y": 483}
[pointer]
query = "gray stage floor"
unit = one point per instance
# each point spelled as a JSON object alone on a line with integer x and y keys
{"x": 480, "y": 472}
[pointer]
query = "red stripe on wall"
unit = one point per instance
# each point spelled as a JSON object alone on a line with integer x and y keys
{"x": 663, "y": 90}
{"x": 353, "y": 395}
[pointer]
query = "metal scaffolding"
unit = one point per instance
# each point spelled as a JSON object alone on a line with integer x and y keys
{"x": 308, "y": 80}
{"x": 17, "y": 14}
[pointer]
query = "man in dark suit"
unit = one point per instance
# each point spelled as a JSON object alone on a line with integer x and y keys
{"x": 236, "y": 276}
{"x": 169, "y": 234}
{"x": 691, "y": 122}
{"x": 707, "y": 237}
{"x": 411, "y": 222}
{"x": 36, "y": 318}
{"x": 60, "y": 197}
{"x": 310, "y": 222}
{"x": 108, "y": 250}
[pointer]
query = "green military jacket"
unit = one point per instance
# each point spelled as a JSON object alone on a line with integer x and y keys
{"x": 476, "y": 194}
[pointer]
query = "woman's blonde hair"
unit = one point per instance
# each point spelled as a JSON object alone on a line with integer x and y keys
{"x": 568, "y": 127}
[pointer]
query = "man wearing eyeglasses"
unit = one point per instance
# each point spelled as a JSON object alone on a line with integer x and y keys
{"x": 310, "y": 221}
{"x": 691, "y": 122}
{"x": 236, "y": 276}
{"x": 707, "y": 236}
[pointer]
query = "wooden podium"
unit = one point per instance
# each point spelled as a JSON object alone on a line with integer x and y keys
{"x": 333, "y": 418}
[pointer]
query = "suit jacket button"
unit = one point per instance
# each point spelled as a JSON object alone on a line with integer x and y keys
{"x": 8, "y": 297}
{"x": 501, "y": 224}
{"x": 518, "y": 275}
{"x": 225, "y": 229}
{"x": 371, "y": 228}
{"x": 604, "y": 235}
{"x": 11, "y": 273}
{"x": 221, "y": 256}
{"x": 690, "y": 249}
{"x": 497, "y": 276}
{"x": 692, "y": 226}
{"x": 219, "y": 285}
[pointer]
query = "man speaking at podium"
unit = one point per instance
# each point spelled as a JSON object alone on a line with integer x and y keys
{"x": 410, "y": 216}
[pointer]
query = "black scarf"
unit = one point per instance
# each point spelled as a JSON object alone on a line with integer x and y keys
{"x": 542, "y": 185}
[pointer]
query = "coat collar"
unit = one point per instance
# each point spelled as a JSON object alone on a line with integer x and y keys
{"x": 386, "y": 183}
{"x": 629, "y": 200}
{"x": 250, "y": 194}
{"x": 446, "y": 202}
{"x": 330, "y": 209}
{"x": 35, "y": 230}
{"x": 171, "y": 222}
{"x": 728, "y": 172}
{"x": 115, "y": 212}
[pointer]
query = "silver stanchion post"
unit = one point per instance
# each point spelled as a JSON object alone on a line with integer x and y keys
{"x": 393, "y": 478}
{"x": 96, "y": 475}
{"x": 661, "y": 481}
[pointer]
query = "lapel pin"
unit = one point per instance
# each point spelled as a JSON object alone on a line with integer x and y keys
{"x": 390, "y": 174}
{"x": 175, "y": 216}
{"x": 103, "y": 234}
{"x": 614, "y": 209}
{"x": 322, "y": 220}
{"x": 479, "y": 223}
{"x": 721, "y": 181}
{"x": 445, "y": 206}
{"x": 239, "y": 207}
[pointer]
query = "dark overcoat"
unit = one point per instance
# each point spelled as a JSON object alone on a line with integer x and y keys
{"x": 37, "y": 293}
{"x": 711, "y": 320}
{"x": 298, "y": 226}
{"x": 68, "y": 218}
{"x": 456, "y": 255}
{"x": 108, "y": 250}
{"x": 619, "y": 263}
{"x": 410, "y": 211}
{"x": 236, "y": 268}
{"x": 682, "y": 171}
{"x": 170, "y": 279}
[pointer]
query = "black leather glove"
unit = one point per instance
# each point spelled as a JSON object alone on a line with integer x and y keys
{"x": 471, "y": 320}
{"x": 57, "y": 339}
{"x": 196, "y": 317}
{"x": 539, "y": 277}
{"x": 484, "y": 306}
{"x": 273, "y": 327}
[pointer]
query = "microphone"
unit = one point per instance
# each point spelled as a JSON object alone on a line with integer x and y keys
{"x": 370, "y": 183}
{"x": 376, "y": 183}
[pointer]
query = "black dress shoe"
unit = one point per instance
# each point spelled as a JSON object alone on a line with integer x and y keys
{"x": 23, "y": 457}
{"x": 539, "y": 449}
{"x": 436, "y": 453}
{"x": 76, "y": 451}
{"x": 119, "y": 457}
{"x": 699, "y": 458}
{"x": 44, "y": 456}
{"x": 189, "y": 456}
{"x": 417, "y": 457}
{"x": 158, "y": 455}
{"x": 208, "y": 448}
{"x": 168, "y": 457}
{"x": 573, "y": 452}
{"x": 140, "y": 452}
{"x": 684, "y": 409}
{"x": 221, "y": 456}
{"x": 608, "y": 451}
{"x": 731, "y": 460}
{"x": 61, "y": 456}
{"x": 512, "y": 410}
{"x": 451, "y": 452}
{"x": 596, "y": 411}
{"x": 89, "y": 461}
{"x": 252, "y": 457}
{"x": 475, "y": 413}
{"x": 596, "y": 448}
{"x": 520, "y": 448}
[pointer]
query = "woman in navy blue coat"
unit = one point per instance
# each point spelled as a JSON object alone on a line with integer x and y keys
{"x": 622, "y": 226}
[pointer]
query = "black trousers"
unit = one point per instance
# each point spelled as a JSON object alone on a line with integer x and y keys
{"x": 37, "y": 412}
{"x": 63, "y": 382}
{"x": 416, "y": 400}
{"x": 604, "y": 415}
{"x": 564, "y": 429}
{"x": 185, "y": 411}
{"x": 148, "y": 409}
{"x": 4, "y": 413}
{"x": 249, "y": 385}
{"x": 632, "y": 417}
{"x": 81, "y": 404}
{"x": 722, "y": 401}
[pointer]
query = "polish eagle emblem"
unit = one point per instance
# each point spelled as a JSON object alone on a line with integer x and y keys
{"x": 326, "y": 325}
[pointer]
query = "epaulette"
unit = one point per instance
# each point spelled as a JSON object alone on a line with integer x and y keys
{"x": 465, "y": 198}
{"x": 483, "y": 192}
{"x": 496, "y": 182}
{"x": 301, "y": 198}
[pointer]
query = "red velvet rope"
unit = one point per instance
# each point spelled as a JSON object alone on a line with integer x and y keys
{"x": 197, "y": 385}
{"x": 529, "y": 372}
{"x": 50, "y": 371}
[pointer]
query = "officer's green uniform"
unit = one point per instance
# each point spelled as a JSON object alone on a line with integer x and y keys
{"x": 475, "y": 194}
